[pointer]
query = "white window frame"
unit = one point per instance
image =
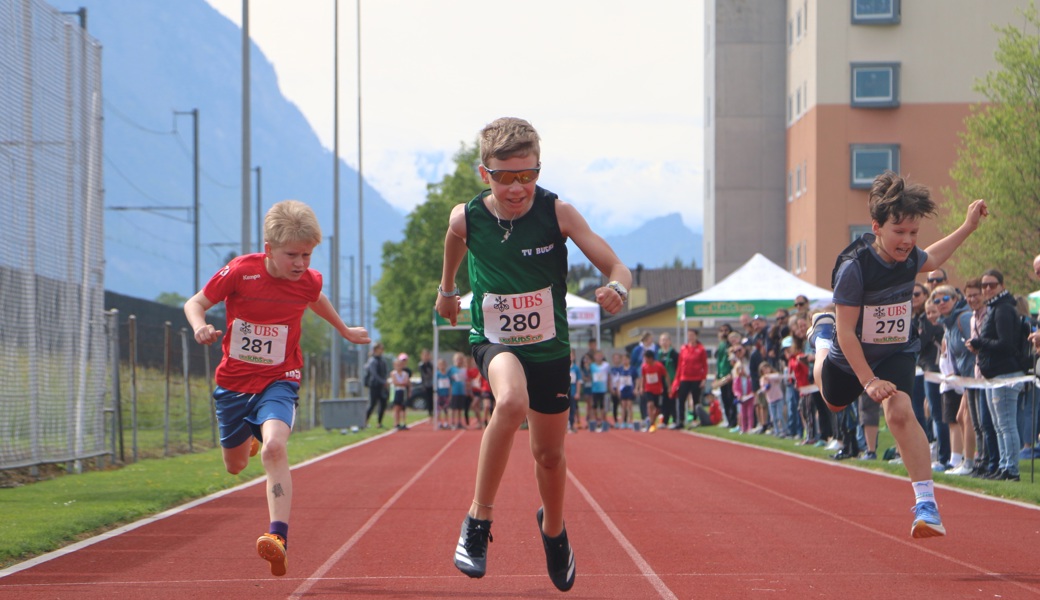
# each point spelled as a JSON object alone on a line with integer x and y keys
{"x": 891, "y": 101}
{"x": 889, "y": 17}
{"x": 865, "y": 183}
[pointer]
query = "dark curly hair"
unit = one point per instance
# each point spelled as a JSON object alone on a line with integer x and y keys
{"x": 893, "y": 199}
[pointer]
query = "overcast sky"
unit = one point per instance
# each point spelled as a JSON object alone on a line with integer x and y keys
{"x": 614, "y": 87}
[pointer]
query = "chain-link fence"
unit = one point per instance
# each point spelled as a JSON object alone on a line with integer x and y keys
{"x": 52, "y": 328}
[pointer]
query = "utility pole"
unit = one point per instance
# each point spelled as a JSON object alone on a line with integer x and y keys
{"x": 259, "y": 214}
{"x": 195, "y": 186}
{"x": 363, "y": 291}
{"x": 334, "y": 259}
{"x": 246, "y": 123}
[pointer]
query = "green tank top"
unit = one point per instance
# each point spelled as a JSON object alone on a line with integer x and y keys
{"x": 519, "y": 280}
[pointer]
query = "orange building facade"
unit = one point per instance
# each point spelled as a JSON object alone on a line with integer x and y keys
{"x": 874, "y": 84}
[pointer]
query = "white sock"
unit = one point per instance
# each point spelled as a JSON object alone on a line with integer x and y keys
{"x": 955, "y": 459}
{"x": 924, "y": 491}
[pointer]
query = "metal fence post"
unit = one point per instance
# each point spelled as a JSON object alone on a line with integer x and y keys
{"x": 185, "y": 362}
{"x": 117, "y": 402}
{"x": 132, "y": 351}
{"x": 166, "y": 394}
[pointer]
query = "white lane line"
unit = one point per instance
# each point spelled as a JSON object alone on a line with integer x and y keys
{"x": 338, "y": 554}
{"x": 637, "y": 558}
{"x": 32, "y": 562}
{"x": 834, "y": 515}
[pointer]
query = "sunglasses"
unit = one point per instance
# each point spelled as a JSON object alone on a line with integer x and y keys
{"x": 941, "y": 300}
{"x": 800, "y": 303}
{"x": 918, "y": 294}
{"x": 990, "y": 284}
{"x": 936, "y": 280}
{"x": 507, "y": 177}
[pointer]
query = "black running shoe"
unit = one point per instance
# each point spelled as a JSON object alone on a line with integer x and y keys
{"x": 559, "y": 558}
{"x": 471, "y": 551}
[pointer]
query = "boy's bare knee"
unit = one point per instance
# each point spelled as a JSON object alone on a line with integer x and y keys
{"x": 235, "y": 467}
{"x": 548, "y": 458}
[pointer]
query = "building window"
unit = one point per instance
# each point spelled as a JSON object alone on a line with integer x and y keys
{"x": 875, "y": 12}
{"x": 798, "y": 24}
{"x": 790, "y": 187}
{"x": 857, "y": 231}
{"x": 798, "y": 181}
{"x": 875, "y": 85}
{"x": 805, "y": 177}
{"x": 869, "y": 161}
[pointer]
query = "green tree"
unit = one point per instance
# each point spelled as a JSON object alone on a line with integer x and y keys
{"x": 407, "y": 287}
{"x": 999, "y": 160}
{"x": 171, "y": 299}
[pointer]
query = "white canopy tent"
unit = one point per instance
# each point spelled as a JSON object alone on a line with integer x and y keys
{"x": 759, "y": 286}
{"x": 580, "y": 313}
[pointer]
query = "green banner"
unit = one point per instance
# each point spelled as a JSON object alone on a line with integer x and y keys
{"x": 731, "y": 309}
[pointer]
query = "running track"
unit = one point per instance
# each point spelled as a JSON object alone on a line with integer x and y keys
{"x": 667, "y": 515}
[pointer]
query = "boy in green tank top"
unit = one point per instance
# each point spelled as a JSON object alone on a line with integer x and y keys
{"x": 515, "y": 234}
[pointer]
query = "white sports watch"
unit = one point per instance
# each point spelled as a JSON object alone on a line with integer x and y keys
{"x": 620, "y": 289}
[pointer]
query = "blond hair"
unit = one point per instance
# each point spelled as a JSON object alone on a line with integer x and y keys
{"x": 289, "y": 222}
{"x": 508, "y": 137}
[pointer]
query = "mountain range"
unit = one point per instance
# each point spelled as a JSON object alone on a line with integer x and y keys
{"x": 161, "y": 60}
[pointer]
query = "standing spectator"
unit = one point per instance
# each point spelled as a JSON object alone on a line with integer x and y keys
{"x": 652, "y": 383}
{"x": 728, "y": 339}
{"x": 742, "y": 390}
{"x": 956, "y": 321}
{"x": 402, "y": 382}
{"x": 376, "y": 374}
{"x": 459, "y": 385}
{"x": 426, "y": 375}
{"x": 931, "y": 333}
{"x": 801, "y": 306}
{"x": 769, "y": 381}
{"x": 777, "y": 332}
{"x": 690, "y": 375}
{"x": 600, "y": 369}
{"x": 646, "y": 342}
{"x": 575, "y": 389}
{"x": 997, "y": 359}
{"x": 667, "y": 356}
{"x": 626, "y": 391}
{"x": 936, "y": 278}
{"x": 987, "y": 458}
{"x": 443, "y": 394}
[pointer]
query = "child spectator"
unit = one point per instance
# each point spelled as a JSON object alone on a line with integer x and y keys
{"x": 770, "y": 382}
{"x": 402, "y": 382}
{"x": 600, "y": 371}
{"x": 459, "y": 399}
{"x": 443, "y": 384}
{"x": 742, "y": 391}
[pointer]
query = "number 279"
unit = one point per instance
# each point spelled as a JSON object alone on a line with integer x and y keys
{"x": 890, "y": 326}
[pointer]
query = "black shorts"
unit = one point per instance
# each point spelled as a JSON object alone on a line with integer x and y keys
{"x": 598, "y": 400}
{"x": 548, "y": 383}
{"x": 951, "y": 403}
{"x": 459, "y": 402}
{"x": 841, "y": 389}
{"x": 654, "y": 399}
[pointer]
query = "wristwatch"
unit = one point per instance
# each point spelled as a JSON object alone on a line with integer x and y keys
{"x": 454, "y": 292}
{"x": 620, "y": 289}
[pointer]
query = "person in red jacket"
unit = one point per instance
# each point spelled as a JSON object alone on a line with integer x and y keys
{"x": 689, "y": 375}
{"x": 652, "y": 383}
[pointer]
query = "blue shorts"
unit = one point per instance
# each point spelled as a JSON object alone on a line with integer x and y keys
{"x": 240, "y": 415}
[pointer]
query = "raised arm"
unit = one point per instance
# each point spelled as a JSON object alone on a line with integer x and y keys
{"x": 941, "y": 251}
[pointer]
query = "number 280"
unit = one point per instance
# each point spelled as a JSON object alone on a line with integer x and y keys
{"x": 520, "y": 321}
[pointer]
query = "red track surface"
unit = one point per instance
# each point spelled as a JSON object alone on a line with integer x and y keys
{"x": 667, "y": 515}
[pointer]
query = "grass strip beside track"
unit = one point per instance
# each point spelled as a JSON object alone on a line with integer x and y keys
{"x": 1024, "y": 491}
